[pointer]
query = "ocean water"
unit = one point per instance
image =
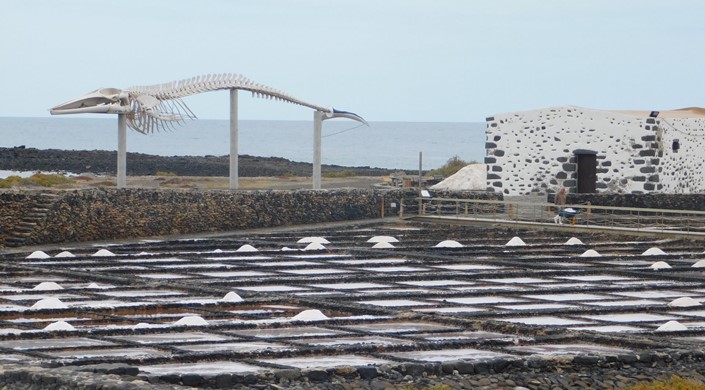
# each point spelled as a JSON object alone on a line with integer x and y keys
{"x": 394, "y": 145}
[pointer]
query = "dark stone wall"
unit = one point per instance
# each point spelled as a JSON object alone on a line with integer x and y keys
{"x": 13, "y": 206}
{"x": 656, "y": 201}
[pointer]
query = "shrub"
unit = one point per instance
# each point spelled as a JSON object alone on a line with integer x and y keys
{"x": 48, "y": 180}
{"x": 675, "y": 383}
{"x": 453, "y": 165}
{"x": 343, "y": 173}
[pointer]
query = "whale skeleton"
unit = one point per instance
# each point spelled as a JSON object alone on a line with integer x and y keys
{"x": 151, "y": 108}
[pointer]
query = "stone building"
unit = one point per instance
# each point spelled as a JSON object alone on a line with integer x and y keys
{"x": 587, "y": 150}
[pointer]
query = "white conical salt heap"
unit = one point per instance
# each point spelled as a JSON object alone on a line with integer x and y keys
{"x": 59, "y": 325}
{"x": 515, "y": 241}
{"x": 684, "y": 302}
{"x": 591, "y": 253}
{"x": 232, "y": 298}
{"x": 47, "y": 286}
{"x": 37, "y": 255}
{"x": 217, "y": 251}
{"x": 287, "y": 249}
{"x": 142, "y": 325}
{"x": 448, "y": 244}
{"x": 191, "y": 321}
{"x": 660, "y": 265}
{"x": 383, "y": 245}
{"x": 653, "y": 252}
{"x": 94, "y": 285}
{"x": 246, "y": 248}
{"x": 573, "y": 241}
{"x": 377, "y": 239}
{"x": 49, "y": 303}
{"x": 308, "y": 240}
{"x": 103, "y": 253}
{"x": 671, "y": 326}
{"x": 314, "y": 246}
{"x": 699, "y": 264}
{"x": 310, "y": 315}
{"x": 65, "y": 254}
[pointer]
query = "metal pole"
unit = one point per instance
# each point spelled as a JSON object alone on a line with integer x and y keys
{"x": 122, "y": 152}
{"x": 420, "y": 198}
{"x": 234, "y": 178}
{"x": 317, "y": 126}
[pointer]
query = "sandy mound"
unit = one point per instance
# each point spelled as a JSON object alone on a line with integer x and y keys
{"x": 472, "y": 177}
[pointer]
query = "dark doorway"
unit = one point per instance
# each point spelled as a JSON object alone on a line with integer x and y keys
{"x": 587, "y": 171}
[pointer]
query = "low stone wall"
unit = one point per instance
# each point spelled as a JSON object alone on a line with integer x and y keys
{"x": 656, "y": 201}
{"x": 105, "y": 214}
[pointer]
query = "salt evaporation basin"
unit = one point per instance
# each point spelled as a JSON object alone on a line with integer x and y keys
{"x": 350, "y": 286}
{"x": 163, "y": 276}
{"x": 171, "y": 338}
{"x": 544, "y": 321}
{"x": 321, "y": 256}
{"x": 292, "y": 263}
{"x": 400, "y": 327}
{"x": 395, "y": 269}
{"x": 316, "y": 271}
{"x": 272, "y": 288}
{"x": 655, "y": 294}
{"x": 518, "y": 280}
{"x": 467, "y": 267}
{"x": 369, "y": 261}
{"x": 573, "y": 297}
{"x": 325, "y": 362}
{"x": 55, "y": 343}
{"x": 631, "y": 317}
{"x": 204, "y": 368}
{"x": 626, "y": 302}
{"x": 610, "y": 329}
{"x": 139, "y": 293}
{"x": 227, "y": 258}
{"x": 238, "y": 347}
{"x": 437, "y": 283}
{"x": 444, "y": 355}
{"x": 471, "y": 335}
{"x": 153, "y": 260}
{"x": 450, "y": 310}
{"x": 234, "y": 274}
{"x": 595, "y": 278}
{"x": 395, "y": 303}
{"x": 488, "y": 300}
{"x": 693, "y": 313}
{"x": 360, "y": 340}
{"x": 538, "y": 306}
{"x": 293, "y": 332}
{"x": 569, "y": 349}
{"x": 36, "y": 297}
{"x": 395, "y": 291}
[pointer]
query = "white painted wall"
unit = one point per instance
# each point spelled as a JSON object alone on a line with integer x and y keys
{"x": 533, "y": 151}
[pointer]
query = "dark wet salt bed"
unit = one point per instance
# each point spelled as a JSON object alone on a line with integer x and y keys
{"x": 330, "y": 297}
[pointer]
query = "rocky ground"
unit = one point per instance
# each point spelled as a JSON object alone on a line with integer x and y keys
{"x": 97, "y": 168}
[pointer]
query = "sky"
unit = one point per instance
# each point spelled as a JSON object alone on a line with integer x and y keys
{"x": 387, "y": 60}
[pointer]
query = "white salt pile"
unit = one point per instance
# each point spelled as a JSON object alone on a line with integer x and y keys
{"x": 232, "y": 298}
{"x": 699, "y": 264}
{"x": 448, "y": 244}
{"x": 286, "y": 248}
{"x": 65, "y": 254}
{"x": 217, "y": 251}
{"x": 383, "y": 245}
{"x": 103, "y": 253}
{"x": 142, "y": 325}
{"x": 591, "y": 253}
{"x": 515, "y": 241}
{"x": 671, "y": 326}
{"x": 309, "y": 240}
{"x": 95, "y": 286}
{"x": 314, "y": 246}
{"x": 191, "y": 321}
{"x": 47, "y": 286}
{"x": 377, "y": 239}
{"x": 37, "y": 255}
{"x": 653, "y": 252}
{"x": 246, "y": 248}
{"x": 684, "y": 302}
{"x": 660, "y": 265}
{"x": 573, "y": 241}
{"x": 49, "y": 303}
{"x": 472, "y": 177}
{"x": 59, "y": 325}
{"x": 310, "y": 315}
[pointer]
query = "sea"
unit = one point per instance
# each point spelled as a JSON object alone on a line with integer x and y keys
{"x": 391, "y": 145}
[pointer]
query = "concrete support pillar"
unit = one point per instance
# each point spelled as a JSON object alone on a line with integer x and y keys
{"x": 317, "y": 126}
{"x": 234, "y": 176}
{"x": 122, "y": 152}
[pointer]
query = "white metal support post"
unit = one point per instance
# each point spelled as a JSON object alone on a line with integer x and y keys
{"x": 122, "y": 152}
{"x": 234, "y": 176}
{"x": 317, "y": 126}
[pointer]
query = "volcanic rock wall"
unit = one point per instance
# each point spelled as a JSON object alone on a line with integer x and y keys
{"x": 104, "y": 214}
{"x": 535, "y": 151}
{"x": 653, "y": 201}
